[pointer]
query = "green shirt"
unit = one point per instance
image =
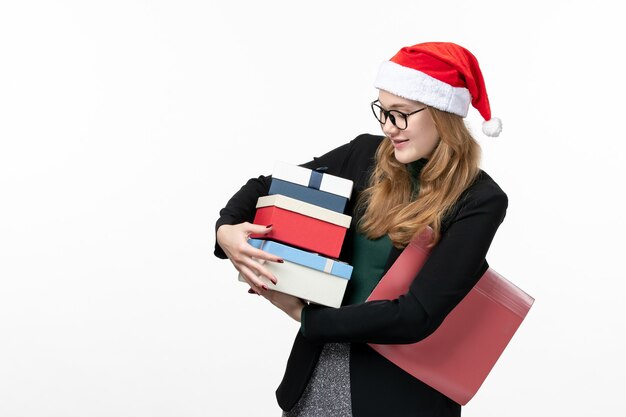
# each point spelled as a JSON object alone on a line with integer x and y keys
{"x": 370, "y": 256}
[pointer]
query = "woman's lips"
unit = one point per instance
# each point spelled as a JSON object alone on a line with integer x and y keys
{"x": 398, "y": 142}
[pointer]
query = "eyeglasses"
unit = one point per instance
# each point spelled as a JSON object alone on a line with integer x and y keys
{"x": 398, "y": 119}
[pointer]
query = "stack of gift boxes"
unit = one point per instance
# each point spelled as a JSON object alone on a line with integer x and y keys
{"x": 306, "y": 209}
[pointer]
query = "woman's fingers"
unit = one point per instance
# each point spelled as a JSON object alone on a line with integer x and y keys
{"x": 253, "y": 252}
{"x": 234, "y": 241}
{"x": 256, "y": 229}
{"x": 250, "y": 264}
{"x": 252, "y": 279}
{"x": 247, "y": 259}
{"x": 258, "y": 253}
{"x": 260, "y": 270}
{"x": 245, "y": 249}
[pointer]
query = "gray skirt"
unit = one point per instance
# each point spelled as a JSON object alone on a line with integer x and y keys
{"x": 328, "y": 391}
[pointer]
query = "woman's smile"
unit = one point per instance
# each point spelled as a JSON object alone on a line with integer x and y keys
{"x": 399, "y": 143}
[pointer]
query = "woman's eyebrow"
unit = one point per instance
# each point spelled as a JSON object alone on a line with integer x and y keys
{"x": 403, "y": 106}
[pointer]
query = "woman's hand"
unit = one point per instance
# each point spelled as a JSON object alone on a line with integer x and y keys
{"x": 247, "y": 259}
{"x": 288, "y": 303}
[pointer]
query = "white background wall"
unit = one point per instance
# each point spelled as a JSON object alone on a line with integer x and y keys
{"x": 126, "y": 125}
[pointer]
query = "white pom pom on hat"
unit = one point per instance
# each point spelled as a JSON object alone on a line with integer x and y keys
{"x": 492, "y": 127}
{"x": 443, "y": 75}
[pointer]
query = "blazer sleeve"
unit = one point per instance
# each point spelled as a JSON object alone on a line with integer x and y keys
{"x": 452, "y": 269}
{"x": 242, "y": 206}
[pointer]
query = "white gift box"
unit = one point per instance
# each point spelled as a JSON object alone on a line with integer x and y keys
{"x": 306, "y": 275}
{"x": 314, "y": 179}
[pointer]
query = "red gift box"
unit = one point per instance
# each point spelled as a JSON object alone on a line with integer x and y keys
{"x": 302, "y": 225}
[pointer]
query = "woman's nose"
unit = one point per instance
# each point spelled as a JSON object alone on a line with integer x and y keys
{"x": 389, "y": 129}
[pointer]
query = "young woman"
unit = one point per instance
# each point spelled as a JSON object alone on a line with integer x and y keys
{"x": 423, "y": 172}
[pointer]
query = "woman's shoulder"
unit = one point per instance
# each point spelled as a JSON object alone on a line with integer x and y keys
{"x": 483, "y": 194}
{"x": 485, "y": 185}
{"x": 363, "y": 148}
{"x": 349, "y": 158}
{"x": 367, "y": 142}
{"x": 484, "y": 197}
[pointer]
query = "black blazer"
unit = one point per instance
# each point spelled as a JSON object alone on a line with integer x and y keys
{"x": 378, "y": 387}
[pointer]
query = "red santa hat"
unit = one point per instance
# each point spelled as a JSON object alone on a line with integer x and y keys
{"x": 443, "y": 75}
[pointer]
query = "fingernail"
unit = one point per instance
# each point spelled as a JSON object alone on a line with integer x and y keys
{"x": 275, "y": 282}
{"x": 251, "y": 291}
{"x": 280, "y": 261}
{"x": 269, "y": 225}
{"x": 264, "y": 287}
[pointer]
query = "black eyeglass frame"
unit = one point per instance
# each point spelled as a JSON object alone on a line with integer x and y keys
{"x": 387, "y": 114}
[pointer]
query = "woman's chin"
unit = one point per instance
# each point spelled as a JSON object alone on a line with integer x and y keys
{"x": 403, "y": 158}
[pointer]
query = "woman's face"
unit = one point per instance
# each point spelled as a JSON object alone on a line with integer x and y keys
{"x": 419, "y": 139}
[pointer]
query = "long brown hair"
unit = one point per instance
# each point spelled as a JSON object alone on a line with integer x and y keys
{"x": 452, "y": 167}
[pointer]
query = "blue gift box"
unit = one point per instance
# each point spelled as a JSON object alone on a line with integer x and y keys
{"x": 304, "y": 258}
{"x": 309, "y": 195}
{"x": 311, "y": 186}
